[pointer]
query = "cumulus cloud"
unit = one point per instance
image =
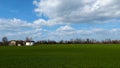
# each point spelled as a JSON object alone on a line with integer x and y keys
{"x": 42, "y": 22}
{"x": 65, "y": 28}
{"x": 79, "y": 11}
{"x": 94, "y": 33}
{"x": 62, "y": 12}
{"x": 34, "y": 33}
{"x": 17, "y": 28}
{"x": 13, "y": 24}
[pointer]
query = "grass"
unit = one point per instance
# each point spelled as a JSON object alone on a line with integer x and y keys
{"x": 61, "y": 56}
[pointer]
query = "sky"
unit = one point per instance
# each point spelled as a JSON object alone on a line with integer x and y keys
{"x": 60, "y": 19}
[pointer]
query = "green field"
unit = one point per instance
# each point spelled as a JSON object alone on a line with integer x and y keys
{"x": 61, "y": 56}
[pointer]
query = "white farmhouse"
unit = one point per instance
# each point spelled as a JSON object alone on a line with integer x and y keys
{"x": 29, "y": 43}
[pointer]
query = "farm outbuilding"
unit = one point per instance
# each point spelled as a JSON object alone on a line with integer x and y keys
{"x": 21, "y": 43}
{"x": 16, "y": 43}
{"x": 29, "y": 43}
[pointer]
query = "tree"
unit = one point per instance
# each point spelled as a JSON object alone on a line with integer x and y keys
{"x": 5, "y": 41}
{"x": 28, "y": 39}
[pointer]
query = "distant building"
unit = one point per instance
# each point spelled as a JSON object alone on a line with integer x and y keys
{"x": 16, "y": 43}
{"x": 21, "y": 43}
{"x": 12, "y": 43}
{"x": 29, "y": 43}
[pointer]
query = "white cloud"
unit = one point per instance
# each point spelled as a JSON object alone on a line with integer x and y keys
{"x": 13, "y": 24}
{"x": 42, "y": 22}
{"x": 29, "y": 33}
{"x": 94, "y": 33}
{"x": 65, "y": 28}
{"x": 79, "y": 11}
{"x": 19, "y": 29}
{"x": 62, "y": 12}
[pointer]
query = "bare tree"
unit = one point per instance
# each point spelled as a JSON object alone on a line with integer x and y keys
{"x": 28, "y": 39}
{"x": 5, "y": 40}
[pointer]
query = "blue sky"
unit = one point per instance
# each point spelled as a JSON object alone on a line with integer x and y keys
{"x": 18, "y": 9}
{"x": 59, "y": 19}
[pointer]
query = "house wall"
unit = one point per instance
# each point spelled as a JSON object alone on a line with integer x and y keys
{"x": 29, "y": 43}
{"x": 12, "y": 43}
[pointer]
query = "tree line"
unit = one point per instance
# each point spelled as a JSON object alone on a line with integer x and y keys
{"x": 79, "y": 41}
{"x": 72, "y": 41}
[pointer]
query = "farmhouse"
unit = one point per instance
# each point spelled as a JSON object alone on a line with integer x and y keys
{"x": 21, "y": 43}
{"x": 29, "y": 43}
{"x": 16, "y": 43}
